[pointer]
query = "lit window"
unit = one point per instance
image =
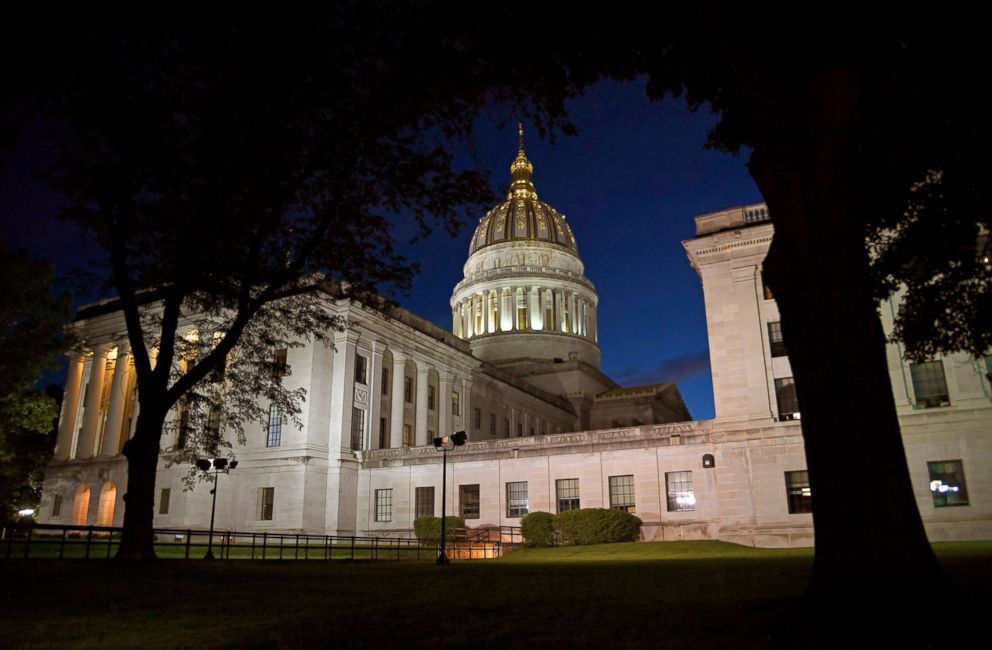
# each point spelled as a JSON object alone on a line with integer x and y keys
{"x": 788, "y": 403}
{"x": 947, "y": 486}
{"x": 274, "y": 437}
{"x": 468, "y": 501}
{"x": 929, "y": 384}
{"x": 407, "y": 435}
{"x": 266, "y": 501}
{"x": 361, "y": 369}
{"x": 516, "y": 499}
{"x": 681, "y": 497}
{"x": 567, "y": 491}
{"x": 456, "y": 403}
{"x": 384, "y": 505}
{"x": 57, "y": 506}
{"x": 622, "y": 493}
{"x": 165, "y": 495}
{"x": 408, "y": 390}
{"x": 279, "y": 366}
{"x": 797, "y": 492}
{"x": 424, "y": 501}
{"x": 765, "y": 290}
{"x": 430, "y": 398}
{"x": 775, "y": 343}
{"x": 357, "y": 428}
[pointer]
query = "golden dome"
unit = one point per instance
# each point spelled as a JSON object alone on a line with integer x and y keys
{"x": 522, "y": 217}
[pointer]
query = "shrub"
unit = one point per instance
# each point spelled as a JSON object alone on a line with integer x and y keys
{"x": 429, "y": 528}
{"x": 597, "y": 526}
{"x": 538, "y": 528}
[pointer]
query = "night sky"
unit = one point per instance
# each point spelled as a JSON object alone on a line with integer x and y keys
{"x": 629, "y": 184}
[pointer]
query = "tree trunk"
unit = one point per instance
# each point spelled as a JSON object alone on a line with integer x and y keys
{"x": 870, "y": 540}
{"x": 137, "y": 541}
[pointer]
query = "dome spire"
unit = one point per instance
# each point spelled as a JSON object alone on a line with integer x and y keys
{"x": 521, "y": 185}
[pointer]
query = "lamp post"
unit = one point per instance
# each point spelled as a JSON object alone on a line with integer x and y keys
{"x": 444, "y": 445}
{"x": 217, "y": 465}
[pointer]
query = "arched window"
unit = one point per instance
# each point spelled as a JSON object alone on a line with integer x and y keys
{"x": 105, "y": 507}
{"x": 81, "y": 505}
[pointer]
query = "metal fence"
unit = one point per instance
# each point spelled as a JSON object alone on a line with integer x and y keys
{"x": 101, "y": 542}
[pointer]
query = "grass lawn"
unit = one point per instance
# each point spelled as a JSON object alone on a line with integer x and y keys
{"x": 666, "y": 595}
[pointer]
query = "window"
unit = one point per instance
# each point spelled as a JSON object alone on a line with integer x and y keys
{"x": 164, "y": 496}
{"x": 385, "y": 381}
{"x": 424, "y": 501}
{"x": 383, "y": 442}
{"x": 929, "y": 385}
{"x": 764, "y": 288}
{"x": 182, "y": 433}
{"x": 357, "y": 428}
{"x": 775, "y": 342}
{"x": 506, "y": 427}
{"x": 476, "y": 418}
{"x": 406, "y": 435}
{"x": 456, "y": 403}
{"x": 274, "y": 438}
{"x": 213, "y": 422}
{"x": 57, "y": 506}
{"x": 361, "y": 369}
{"x": 788, "y": 404}
{"x": 384, "y": 505}
{"x": 681, "y": 497}
{"x": 430, "y": 398}
{"x": 266, "y": 499}
{"x": 492, "y": 425}
{"x": 408, "y": 390}
{"x": 567, "y": 491}
{"x": 622, "y": 493}
{"x": 797, "y": 492}
{"x": 279, "y": 366}
{"x": 516, "y": 499}
{"x": 468, "y": 501}
{"x": 947, "y": 484}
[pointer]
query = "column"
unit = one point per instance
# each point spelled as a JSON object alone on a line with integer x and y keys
{"x": 118, "y": 399}
{"x": 468, "y": 417}
{"x": 485, "y": 312}
{"x": 420, "y": 431}
{"x": 94, "y": 392}
{"x": 375, "y": 396}
{"x": 593, "y": 330}
{"x": 70, "y": 405}
{"x": 342, "y": 390}
{"x": 573, "y": 312}
{"x": 444, "y": 420}
{"x": 513, "y": 422}
{"x": 536, "y": 315}
{"x": 506, "y": 313}
{"x": 396, "y": 421}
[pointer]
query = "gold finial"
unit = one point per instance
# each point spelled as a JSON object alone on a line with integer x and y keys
{"x": 521, "y": 185}
{"x": 520, "y": 132}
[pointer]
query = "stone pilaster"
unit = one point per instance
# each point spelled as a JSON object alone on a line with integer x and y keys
{"x": 396, "y": 421}
{"x": 118, "y": 399}
{"x": 444, "y": 419}
{"x": 70, "y": 406}
{"x": 420, "y": 431}
{"x": 342, "y": 390}
{"x": 375, "y": 396}
{"x": 86, "y": 447}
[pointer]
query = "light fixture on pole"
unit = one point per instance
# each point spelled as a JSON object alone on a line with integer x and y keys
{"x": 215, "y": 465}
{"x": 444, "y": 445}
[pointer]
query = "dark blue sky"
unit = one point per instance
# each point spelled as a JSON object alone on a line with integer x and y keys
{"x": 629, "y": 184}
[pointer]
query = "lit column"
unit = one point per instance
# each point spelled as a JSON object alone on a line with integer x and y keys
{"x": 396, "y": 423}
{"x": 70, "y": 405}
{"x": 573, "y": 313}
{"x": 593, "y": 329}
{"x": 506, "y": 313}
{"x": 485, "y": 312}
{"x": 375, "y": 396}
{"x": 342, "y": 390}
{"x": 94, "y": 393}
{"x": 420, "y": 431}
{"x": 560, "y": 309}
{"x": 468, "y": 420}
{"x": 536, "y": 315}
{"x": 444, "y": 427}
{"x": 455, "y": 322}
{"x": 118, "y": 399}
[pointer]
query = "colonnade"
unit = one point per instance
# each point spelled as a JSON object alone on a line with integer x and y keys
{"x": 99, "y": 404}
{"x": 524, "y": 308}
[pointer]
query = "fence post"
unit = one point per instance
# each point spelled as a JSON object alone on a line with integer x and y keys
{"x": 265, "y": 540}
{"x": 110, "y": 542}
{"x": 327, "y": 545}
{"x": 189, "y": 538}
{"x": 253, "y": 546}
{"x": 27, "y": 542}
{"x": 62, "y": 545}
{"x": 9, "y": 532}
{"x": 89, "y": 540}
{"x": 296, "y": 551}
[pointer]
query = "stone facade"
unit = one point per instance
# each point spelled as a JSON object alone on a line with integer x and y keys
{"x": 547, "y": 428}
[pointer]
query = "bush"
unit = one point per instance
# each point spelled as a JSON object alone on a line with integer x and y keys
{"x": 429, "y": 528}
{"x": 538, "y": 528}
{"x": 597, "y": 526}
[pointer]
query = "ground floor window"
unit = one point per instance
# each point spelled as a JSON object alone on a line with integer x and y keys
{"x": 798, "y": 493}
{"x": 622, "y": 493}
{"x": 266, "y": 503}
{"x": 947, "y": 486}
{"x": 567, "y": 492}
{"x": 681, "y": 497}
{"x": 164, "y": 496}
{"x": 468, "y": 501}
{"x": 516, "y": 499}
{"x": 384, "y": 505}
{"x": 425, "y": 501}
{"x": 57, "y": 506}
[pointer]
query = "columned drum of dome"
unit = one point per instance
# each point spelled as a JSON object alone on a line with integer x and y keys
{"x": 524, "y": 296}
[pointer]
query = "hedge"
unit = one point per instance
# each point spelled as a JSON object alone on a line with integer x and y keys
{"x": 597, "y": 526}
{"x": 429, "y": 528}
{"x": 538, "y": 528}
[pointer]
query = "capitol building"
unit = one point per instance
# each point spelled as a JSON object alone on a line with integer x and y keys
{"x": 548, "y": 430}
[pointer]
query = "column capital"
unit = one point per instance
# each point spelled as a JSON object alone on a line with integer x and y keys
{"x": 346, "y": 336}
{"x": 399, "y": 358}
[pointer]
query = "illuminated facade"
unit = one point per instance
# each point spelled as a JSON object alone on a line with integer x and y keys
{"x": 548, "y": 430}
